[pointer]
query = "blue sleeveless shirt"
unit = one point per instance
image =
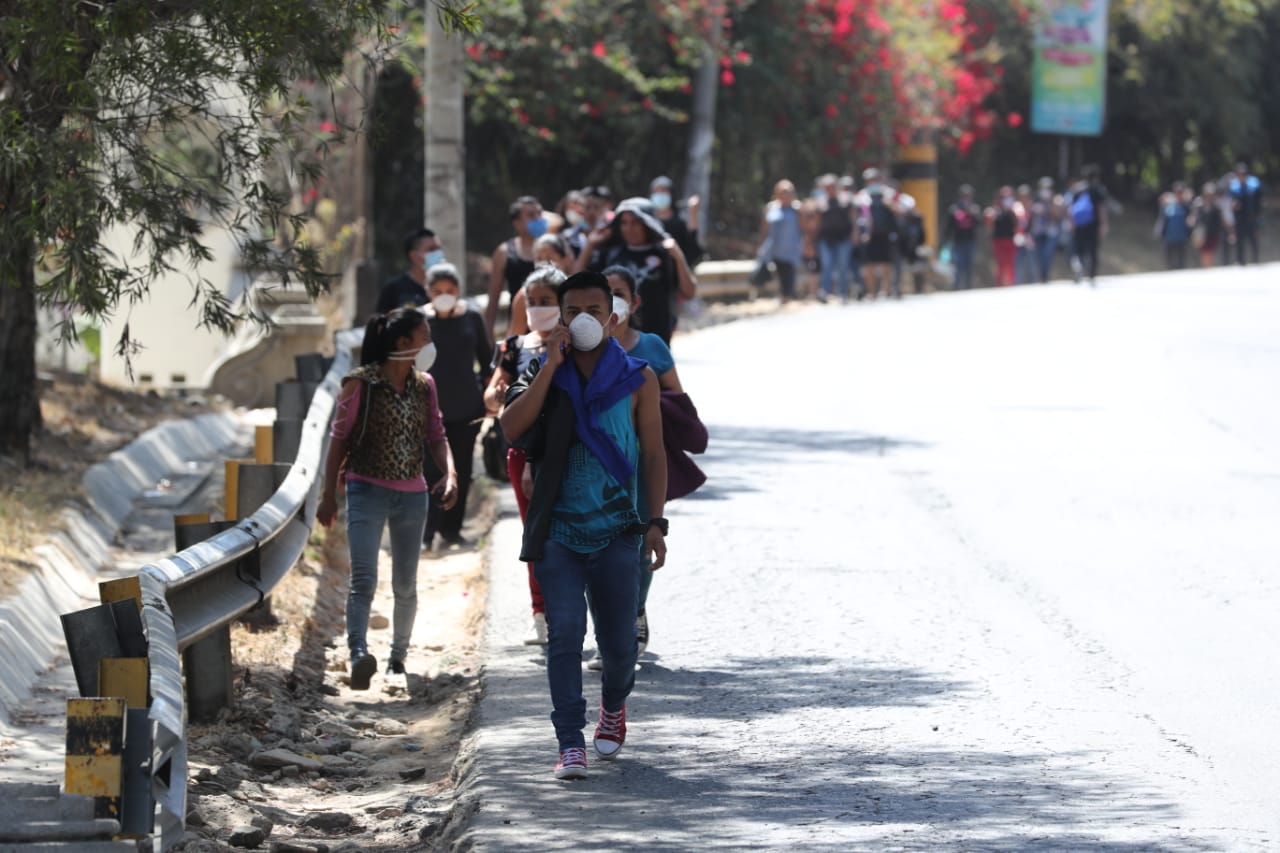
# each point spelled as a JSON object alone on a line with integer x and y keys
{"x": 593, "y": 508}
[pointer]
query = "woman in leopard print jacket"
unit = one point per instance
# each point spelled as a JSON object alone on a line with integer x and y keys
{"x": 386, "y": 413}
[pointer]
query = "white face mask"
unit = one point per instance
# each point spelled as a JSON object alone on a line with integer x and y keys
{"x": 444, "y": 302}
{"x": 621, "y": 309}
{"x": 422, "y": 358}
{"x": 585, "y": 333}
{"x": 542, "y": 318}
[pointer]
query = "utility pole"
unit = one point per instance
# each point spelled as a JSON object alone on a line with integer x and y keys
{"x": 702, "y": 131}
{"x": 444, "y": 137}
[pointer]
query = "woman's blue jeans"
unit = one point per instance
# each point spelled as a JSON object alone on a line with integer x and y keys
{"x": 611, "y": 575}
{"x": 836, "y": 260}
{"x": 369, "y": 508}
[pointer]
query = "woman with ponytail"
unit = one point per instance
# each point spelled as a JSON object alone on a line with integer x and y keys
{"x": 386, "y": 413}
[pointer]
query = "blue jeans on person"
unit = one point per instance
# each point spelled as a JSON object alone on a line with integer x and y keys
{"x": 837, "y": 262}
{"x": 1024, "y": 265}
{"x": 369, "y": 508}
{"x": 962, "y": 252}
{"x": 1046, "y": 246}
{"x": 564, "y": 575}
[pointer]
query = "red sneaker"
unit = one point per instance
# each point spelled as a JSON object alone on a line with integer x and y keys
{"x": 611, "y": 732}
{"x": 573, "y": 763}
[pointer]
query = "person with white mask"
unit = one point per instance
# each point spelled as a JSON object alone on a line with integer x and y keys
{"x": 460, "y": 373}
{"x": 588, "y": 416}
{"x": 513, "y": 357}
{"x": 386, "y": 414}
{"x": 651, "y": 349}
{"x": 409, "y": 289}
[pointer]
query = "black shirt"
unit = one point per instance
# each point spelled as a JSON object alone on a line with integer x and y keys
{"x": 400, "y": 292}
{"x": 462, "y": 344}
{"x": 836, "y": 224}
{"x": 657, "y": 283}
{"x": 962, "y": 222}
{"x": 517, "y": 269}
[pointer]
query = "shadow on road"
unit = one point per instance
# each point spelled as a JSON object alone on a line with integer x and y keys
{"x": 768, "y": 749}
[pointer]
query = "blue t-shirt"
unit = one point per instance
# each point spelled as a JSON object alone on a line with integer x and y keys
{"x": 592, "y": 508}
{"x": 654, "y": 350}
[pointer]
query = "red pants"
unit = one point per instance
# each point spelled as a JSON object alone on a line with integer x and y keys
{"x": 515, "y": 472}
{"x": 1005, "y": 251}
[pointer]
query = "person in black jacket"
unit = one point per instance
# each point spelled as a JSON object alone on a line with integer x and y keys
{"x": 589, "y": 418}
{"x": 462, "y": 343}
{"x": 409, "y": 289}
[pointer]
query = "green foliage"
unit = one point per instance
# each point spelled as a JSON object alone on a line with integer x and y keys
{"x": 166, "y": 119}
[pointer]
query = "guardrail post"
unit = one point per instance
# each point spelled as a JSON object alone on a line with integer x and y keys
{"x": 95, "y": 746}
{"x": 262, "y": 435}
{"x": 312, "y": 367}
{"x": 112, "y": 630}
{"x": 257, "y": 484}
{"x": 206, "y": 667}
{"x": 196, "y": 527}
{"x": 293, "y": 398}
{"x": 286, "y": 438}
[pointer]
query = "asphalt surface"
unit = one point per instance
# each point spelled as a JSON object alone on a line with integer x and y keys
{"x": 982, "y": 571}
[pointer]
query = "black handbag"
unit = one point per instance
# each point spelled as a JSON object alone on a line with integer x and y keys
{"x": 493, "y": 449}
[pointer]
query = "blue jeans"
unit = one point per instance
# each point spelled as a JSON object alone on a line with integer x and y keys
{"x": 837, "y": 261}
{"x": 1046, "y": 246}
{"x": 611, "y": 576}
{"x": 962, "y": 252}
{"x": 369, "y": 508}
{"x": 1024, "y": 265}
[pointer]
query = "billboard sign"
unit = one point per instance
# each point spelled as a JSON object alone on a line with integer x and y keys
{"x": 1069, "y": 69}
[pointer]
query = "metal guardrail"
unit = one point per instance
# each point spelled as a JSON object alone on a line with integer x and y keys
{"x": 188, "y": 596}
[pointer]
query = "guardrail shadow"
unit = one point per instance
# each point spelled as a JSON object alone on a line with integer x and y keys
{"x": 766, "y": 753}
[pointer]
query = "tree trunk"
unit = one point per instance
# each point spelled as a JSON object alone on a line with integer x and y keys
{"x": 702, "y": 133}
{"x": 19, "y": 400}
{"x": 444, "y": 141}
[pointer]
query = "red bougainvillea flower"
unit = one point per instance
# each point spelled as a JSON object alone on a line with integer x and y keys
{"x": 1014, "y": 119}
{"x": 599, "y": 51}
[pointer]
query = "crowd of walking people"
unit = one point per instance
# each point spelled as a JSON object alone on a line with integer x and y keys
{"x": 595, "y": 424}
{"x": 571, "y": 358}
{"x": 854, "y": 242}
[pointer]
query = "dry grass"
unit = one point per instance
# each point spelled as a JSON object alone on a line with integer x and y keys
{"x": 83, "y": 423}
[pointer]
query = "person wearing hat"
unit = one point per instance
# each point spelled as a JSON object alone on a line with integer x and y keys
{"x": 685, "y": 233}
{"x": 589, "y": 417}
{"x": 634, "y": 239}
{"x": 880, "y": 241}
{"x": 911, "y": 240}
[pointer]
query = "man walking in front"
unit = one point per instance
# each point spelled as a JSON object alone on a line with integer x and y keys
{"x": 588, "y": 417}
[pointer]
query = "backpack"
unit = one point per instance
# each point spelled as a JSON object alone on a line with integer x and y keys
{"x": 1082, "y": 212}
{"x": 1175, "y": 223}
{"x": 882, "y": 220}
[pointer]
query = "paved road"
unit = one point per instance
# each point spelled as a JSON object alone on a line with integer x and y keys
{"x": 985, "y": 571}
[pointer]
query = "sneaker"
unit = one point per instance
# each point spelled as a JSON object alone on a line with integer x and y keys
{"x": 539, "y": 637}
{"x": 1077, "y": 270}
{"x": 642, "y": 632}
{"x": 596, "y": 663}
{"x": 573, "y": 763}
{"x": 611, "y": 731}
{"x": 363, "y": 666}
{"x": 395, "y": 667}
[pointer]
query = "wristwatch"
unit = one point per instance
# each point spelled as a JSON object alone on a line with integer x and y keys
{"x": 660, "y": 523}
